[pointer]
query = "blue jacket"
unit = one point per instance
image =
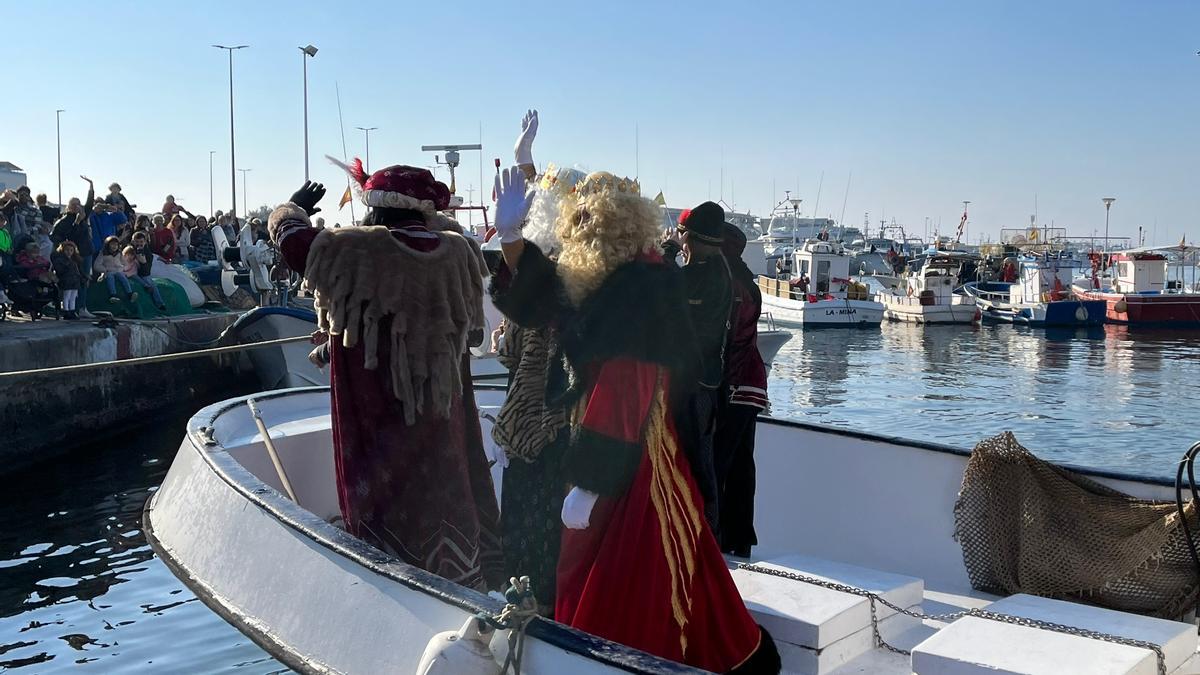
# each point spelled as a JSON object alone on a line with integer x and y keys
{"x": 104, "y": 225}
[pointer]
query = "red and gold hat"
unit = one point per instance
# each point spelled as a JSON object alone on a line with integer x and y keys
{"x": 398, "y": 187}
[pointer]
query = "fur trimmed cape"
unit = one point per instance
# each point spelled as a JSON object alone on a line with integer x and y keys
{"x": 361, "y": 275}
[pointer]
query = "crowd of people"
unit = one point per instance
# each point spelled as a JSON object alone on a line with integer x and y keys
{"x": 100, "y": 239}
{"x": 627, "y": 432}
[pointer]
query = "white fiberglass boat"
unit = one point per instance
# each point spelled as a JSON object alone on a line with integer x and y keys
{"x": 322, "y": 601}
{"x": 927, "y": 295}
{"x": 823, "y": 293}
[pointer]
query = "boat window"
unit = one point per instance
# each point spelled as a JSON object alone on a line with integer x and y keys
{"x": 1126, "y": 269}
{"x": 803, "y": 268}
{"x": 822, "y": 277}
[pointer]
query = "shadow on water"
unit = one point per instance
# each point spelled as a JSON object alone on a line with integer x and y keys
{"x": 1110, "y": 397}
{"x": 80, "y": 586}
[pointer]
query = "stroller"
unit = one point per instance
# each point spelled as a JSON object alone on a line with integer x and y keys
{"x": 18, "y": 294}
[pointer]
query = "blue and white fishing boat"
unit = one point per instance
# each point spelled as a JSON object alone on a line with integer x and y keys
{"x": 1041, "y": 296}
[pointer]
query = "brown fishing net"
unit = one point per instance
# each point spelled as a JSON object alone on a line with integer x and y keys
{"x": 1028, "y": 526}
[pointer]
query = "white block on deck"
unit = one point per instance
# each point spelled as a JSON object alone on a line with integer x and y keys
{"x": 799, "y": 660}
{"x": 813, "y": 616}
{"x": 974, "y": 645}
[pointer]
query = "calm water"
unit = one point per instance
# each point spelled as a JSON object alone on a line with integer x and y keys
{"x": 1107, "y": 397}
{"x": 80, "y": 588}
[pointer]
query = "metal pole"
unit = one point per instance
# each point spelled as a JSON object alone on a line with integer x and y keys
{"x": 1108, "y": 201}
{"x": 304, "y": 58}
{"x": 210, "y": 182}
{"x": 367, "y": 135}
{"x": 232, "y": 153}
{"x": 58, "y": 142}
{"x": 245, "y": 199}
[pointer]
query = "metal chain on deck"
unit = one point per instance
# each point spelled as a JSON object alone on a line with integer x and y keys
{"x": 874, "y": 598}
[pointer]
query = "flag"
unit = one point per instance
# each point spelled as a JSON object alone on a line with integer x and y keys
{"x": 346, "y": 197}
{"x": 659, "y": 199}
{"x": 1033, "y": 234}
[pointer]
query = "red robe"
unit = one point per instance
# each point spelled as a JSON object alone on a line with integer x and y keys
{"x": 421, "y": 492}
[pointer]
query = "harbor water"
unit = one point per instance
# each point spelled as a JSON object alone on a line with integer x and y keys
{"x": 81, "y": 589}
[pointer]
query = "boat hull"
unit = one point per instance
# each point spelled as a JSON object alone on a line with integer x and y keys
{"x": 910, "y": 310}
{"x": 1159, "y": 309}
{"x": 824, "y": 313}
{"x": 1064, "y": 313}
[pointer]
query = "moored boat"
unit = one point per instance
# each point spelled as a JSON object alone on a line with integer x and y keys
{"x": 1140, "y": 293}
{"x": 286, "y": 575}
{"x": 1041, "y": 295}
{"x": 822, "y": 293}
{"x": 928, "y": 295}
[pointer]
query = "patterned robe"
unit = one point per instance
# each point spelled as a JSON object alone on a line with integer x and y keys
{"x": 421, "y": 491}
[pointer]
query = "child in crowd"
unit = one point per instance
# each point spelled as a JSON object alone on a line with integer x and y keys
{"x": 143, "y": 259}
{"x": 31, "y": 261}
{"x": 68, "y": 267}
{"x": 110, "y": 264}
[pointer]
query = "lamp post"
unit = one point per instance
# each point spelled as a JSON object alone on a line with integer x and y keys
{"x": 1108, "y": 202}
{"x": 367, "y": 135}
{"x": 210, "y": 182}
{"x": 305, "y": 54}
{"x": 245, "y": 199}
{"x": 58, "y": 144}
{"x": 232, "y": 161}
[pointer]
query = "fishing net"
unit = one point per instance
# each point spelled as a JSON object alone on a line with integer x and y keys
{"x": 1028, "y": 526}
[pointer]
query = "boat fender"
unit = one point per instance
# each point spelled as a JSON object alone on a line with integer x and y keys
{"x": 462, "y": 652}
{"x": 910, "y": 291}
{"x": 1081, "y": 313}
{"x": 1121, "y": 306}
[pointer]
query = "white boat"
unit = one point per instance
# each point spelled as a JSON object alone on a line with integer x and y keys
{"x": 927, "y": 295}
{"x": 825, "y": 296}
{"x": 832, "y": 504}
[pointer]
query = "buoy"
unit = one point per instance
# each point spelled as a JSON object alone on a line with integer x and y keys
{"x": 1121, "y": 306}
{"x": 462, "y": 652}
{"x": 1081, "y": 314}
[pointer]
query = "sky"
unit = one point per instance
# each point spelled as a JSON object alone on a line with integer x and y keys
{"x": 878, "y": 110}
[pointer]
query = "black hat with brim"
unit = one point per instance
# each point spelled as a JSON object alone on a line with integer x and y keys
{"x": 705, "y": 223}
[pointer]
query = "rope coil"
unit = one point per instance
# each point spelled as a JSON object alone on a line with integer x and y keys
{"x": 515, "y": 617}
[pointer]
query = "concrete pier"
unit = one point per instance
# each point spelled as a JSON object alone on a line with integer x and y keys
{"x": 43, "y": 414}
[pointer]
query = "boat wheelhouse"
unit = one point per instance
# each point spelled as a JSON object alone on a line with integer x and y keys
{"x": 927, "y": 294}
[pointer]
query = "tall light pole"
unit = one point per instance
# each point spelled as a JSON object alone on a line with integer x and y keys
{"x": 210, "y": 183}
{"x": 232, "y": 161}
{"x": 305, "y": 54}
{"x": 245, "y": 199}
{"x": 1108, "y": 201}
{"x": 367, "y": 135}
{"x": 58, "y": 143}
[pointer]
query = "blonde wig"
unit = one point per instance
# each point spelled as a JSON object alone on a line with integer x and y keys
{"x": 602, "y": 228}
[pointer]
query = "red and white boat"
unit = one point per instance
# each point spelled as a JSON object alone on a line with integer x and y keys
{"x": 1141, "y": 290}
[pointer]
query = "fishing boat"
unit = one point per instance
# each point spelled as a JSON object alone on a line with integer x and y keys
{"x": 821, "y": 292}
{"x": 1041, "y": 296}
{"x": 1140, "y": 292}
{"x": 928, "y": 295}
{"x": 281, "y": 570}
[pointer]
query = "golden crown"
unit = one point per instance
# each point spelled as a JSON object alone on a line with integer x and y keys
{"x": 601, "y": 181}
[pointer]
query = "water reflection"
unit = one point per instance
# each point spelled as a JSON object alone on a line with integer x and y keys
{"x": 1108, "y": 396}
{"x": 81, "y": 588}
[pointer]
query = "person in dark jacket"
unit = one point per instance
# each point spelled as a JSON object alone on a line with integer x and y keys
{"x": 50, "y": 214}
{"x": 745, "y": 396}
{"x": 144, "y": 256}
{"x": 67, "y": 267}
{"x": 699, "y": 235}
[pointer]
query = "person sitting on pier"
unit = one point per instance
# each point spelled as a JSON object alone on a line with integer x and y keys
{"x": 143, "y": 266}
{"x": 638, "y": 562}
{"x": 33, "y": 264}
{"x": 398, "y": 301}
{"x": 110, "y": 265}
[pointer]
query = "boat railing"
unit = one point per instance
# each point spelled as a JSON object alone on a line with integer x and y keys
{"x": 991, "y": 296}
{"x": 767, "y": 319}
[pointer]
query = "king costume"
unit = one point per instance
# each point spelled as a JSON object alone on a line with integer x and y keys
{"x": 398, "y": 299}
{"x": 645, "y": 569}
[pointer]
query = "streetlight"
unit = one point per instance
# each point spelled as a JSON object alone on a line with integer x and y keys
{"x": 210, "y": 183}
{"x": 232, "y": 164}
{"x": 1108, "y": 201}
{"x": 245, "y": 199}
{"x": 367, "y": 134}
{"x": 305, "y": 54}
{"x": 58, "y": 143}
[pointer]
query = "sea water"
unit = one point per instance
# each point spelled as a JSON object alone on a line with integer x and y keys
{"x": 80, "y": 589}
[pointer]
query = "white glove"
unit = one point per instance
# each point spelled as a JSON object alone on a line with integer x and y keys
{"x": 512, "y": 204}
{"x": 577, "y": 508}
{"x": 491, "y": 449}
{"x": 524, "y": 147}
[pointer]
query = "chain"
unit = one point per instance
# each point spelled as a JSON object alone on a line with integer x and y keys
{"x": 874, "y": 598}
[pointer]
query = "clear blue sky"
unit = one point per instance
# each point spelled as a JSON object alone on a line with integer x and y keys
{"x": 927, "y": 103}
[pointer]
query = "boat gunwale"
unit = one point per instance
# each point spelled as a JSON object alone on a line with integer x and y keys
{"x": 342, "y": 543}
{"x": 377, "y": 562}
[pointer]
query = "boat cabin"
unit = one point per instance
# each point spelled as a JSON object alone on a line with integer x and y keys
{"x": 1140, "y": 272}
{"x": 824, "y": 265}
{"x": 936, "y": 278}
{"x": 1044, "y": 277}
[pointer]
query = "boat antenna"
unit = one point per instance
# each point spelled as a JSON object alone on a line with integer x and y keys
{"x": 845, "y": 198}
{"x": 817, "y": 204}
{"x": 345, "y": 155}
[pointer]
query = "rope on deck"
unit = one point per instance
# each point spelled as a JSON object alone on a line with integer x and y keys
{"x": 161, "y": 358}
